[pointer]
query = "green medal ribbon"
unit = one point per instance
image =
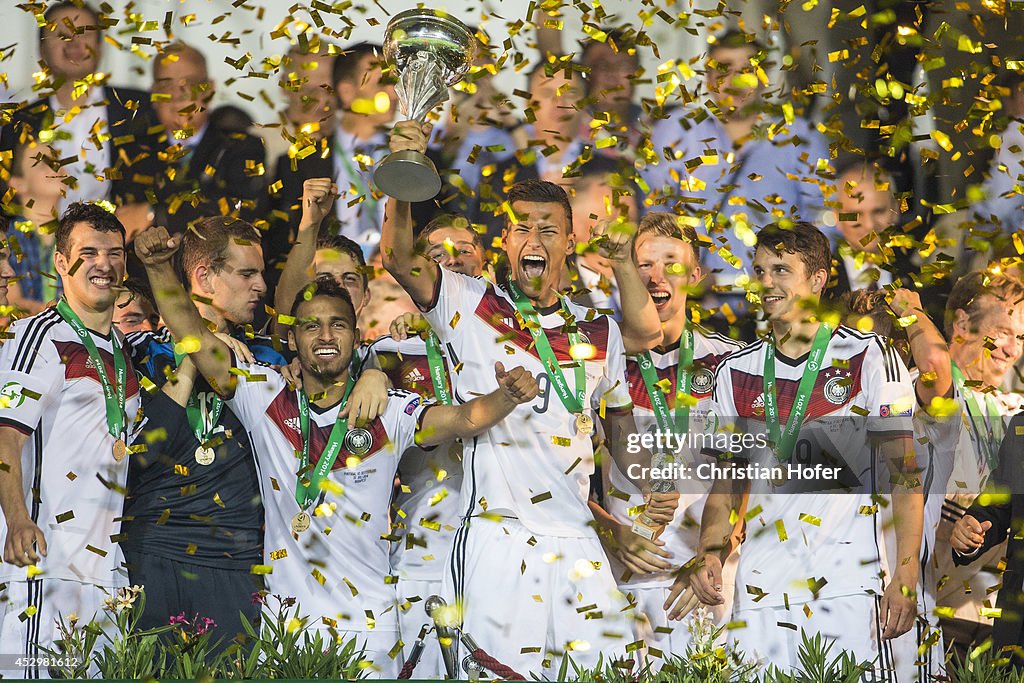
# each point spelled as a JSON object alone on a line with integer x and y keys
{"x": 991, "y": 441}
{"x": 677, "y": 421}
{"x": 784, "y": 441}
{"x": 114, "y": 397}
{"x": 437, "y": 371}
{"x": 193, "y": 412}
{"x": 572, "y": 403}
{"x": 195, "y": 416}
{"x": 306, "y": 492}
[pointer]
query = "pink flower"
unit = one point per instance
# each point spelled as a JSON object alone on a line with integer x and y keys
{"x": 259, "y": 598}
{"x": 206, "y": 625}
{"x": 180, "y": 619}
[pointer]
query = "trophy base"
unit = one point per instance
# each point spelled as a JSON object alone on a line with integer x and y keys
{"x": 642, "y": 530}
{"x": 408, "y": 176}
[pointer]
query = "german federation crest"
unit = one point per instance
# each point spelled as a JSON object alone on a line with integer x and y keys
{"x": 358, "y": 441}
{"x": 837, "y": 390}
{"x": 703, "y": 381}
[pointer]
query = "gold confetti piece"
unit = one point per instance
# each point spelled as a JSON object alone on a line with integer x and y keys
{"x": 942, "y": 140}
{"x": 94, "y": 549}
{"x": 279, "y": 554}
{"x": 65, "y": 516}
{"x": 71, "y": 476}
{"x": 758, "y": 593}
{"x": 191, "y": 549}
{"x": 164, "y": 516}
{"x": 181, "y": 469}
{"x": 541, "y": 497}
{"x": 321, "y": 579}
{"x": 780, "y": 529}
{"x": 261, "y": 569}
{"x": 810, "y": 519}
{"x": 350, "y": 587}
{"x": 753, "y": 513}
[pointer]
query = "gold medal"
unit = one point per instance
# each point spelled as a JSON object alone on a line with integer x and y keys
{"x": 120, "y": 450}
{"x": 584, "y": 424}
{"x": 205, "y": 456}
{"x": 300, "y": 522}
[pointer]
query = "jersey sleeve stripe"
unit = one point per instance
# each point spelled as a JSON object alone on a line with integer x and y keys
{"x": 885, "y": 360}
{"x": 32, "y": 338}
{"x": 37, "y": 474}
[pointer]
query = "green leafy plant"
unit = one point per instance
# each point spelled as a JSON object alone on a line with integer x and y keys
{"x": 73, "y": 647}
{"x": 281, "y": 645}
{"x": 817, "y": 665}
{"x": 982, "y": 667}
{"x": 286, "y": 647}
{"x": 611, "y": 671}
{"x": 187, "y": 648}
{"x": 127, "y": 651}
{"x": 706, "y": 660}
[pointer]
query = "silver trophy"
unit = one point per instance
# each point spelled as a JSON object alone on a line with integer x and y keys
{"x": 431, "y": 51}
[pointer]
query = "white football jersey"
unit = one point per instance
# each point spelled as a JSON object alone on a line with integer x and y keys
{"x": 683, "y": 535}
{"x": 50, "y": 391}
{"x": 532, "y": 465}
{"x": 428, "y": 508}
{"x": 815, "y": 544}
{"x": 969, "y": 589}
{"x": 338, "y": 569}
{"x": 937, "y": 440}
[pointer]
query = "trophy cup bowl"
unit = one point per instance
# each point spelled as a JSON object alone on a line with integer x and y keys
{"x": 431, "y": 51}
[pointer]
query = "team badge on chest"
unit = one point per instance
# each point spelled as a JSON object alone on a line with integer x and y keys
{"x": 358, "y": 441}
{"x": 703, "y": 381}
{"x": 837, "y": 390}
